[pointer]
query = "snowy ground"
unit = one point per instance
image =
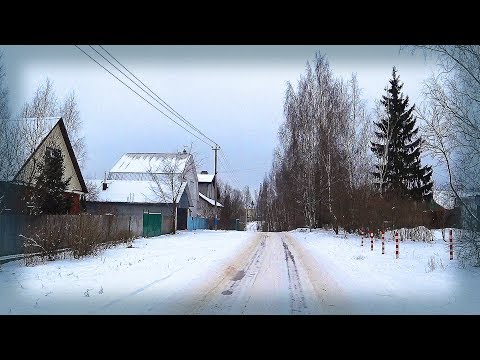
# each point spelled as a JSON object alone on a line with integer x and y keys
{"x": 157, "y": 275}
{"x": 245, "y": 272}
{"x": 380, "y": 284}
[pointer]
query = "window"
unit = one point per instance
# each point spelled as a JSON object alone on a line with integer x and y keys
{"x": 51, "y": 152}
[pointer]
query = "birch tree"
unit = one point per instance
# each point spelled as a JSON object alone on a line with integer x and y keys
{"x": 168, "y": 186}
{"x": 45, "y": 104}
{"x": 451, "y": 116}
{"x": 169, "y": 181}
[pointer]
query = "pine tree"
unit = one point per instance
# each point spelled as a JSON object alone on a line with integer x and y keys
{"x": 399, "y": 171}
{"x": 49, "y": 190}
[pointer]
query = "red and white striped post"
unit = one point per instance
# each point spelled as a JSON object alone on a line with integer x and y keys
{"x": 383, "y": 242}
{"x": 371, "y": 240}
{"x": 451, "y": 244}
{"x": 396, "y": 244}
{"x": 362, "y": 237}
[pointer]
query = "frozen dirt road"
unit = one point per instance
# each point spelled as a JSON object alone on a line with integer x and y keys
{"x": 273, "y": 275}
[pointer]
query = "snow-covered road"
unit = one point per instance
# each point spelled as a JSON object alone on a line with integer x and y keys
{"x": 273, "y": 276}
{"x": 243, "y": 272}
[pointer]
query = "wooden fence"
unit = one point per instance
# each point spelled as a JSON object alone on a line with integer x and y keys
{"x": 12, "y": 226}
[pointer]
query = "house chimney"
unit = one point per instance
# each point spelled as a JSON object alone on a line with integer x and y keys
{"x": 204, "y": 172}
{"x": 104, "y": 184}
{"x": 184, "y": 151}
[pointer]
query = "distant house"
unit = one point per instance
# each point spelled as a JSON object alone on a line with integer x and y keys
{"x": 141, "y": 182}
{"x": 206, "y": 195}
{"x": 471, "y": 201}
{"x": 50, "y": 134}
{"x": 444, "y": 198}
{"x": 250, "y": 213}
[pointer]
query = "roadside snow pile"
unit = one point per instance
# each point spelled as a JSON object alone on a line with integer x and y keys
{"x": 422, "y": 281}
{"x": 419, "y": 233}
{"x": 251, "y": 226}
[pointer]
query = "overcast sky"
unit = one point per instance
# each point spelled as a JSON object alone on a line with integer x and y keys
{"x": 234, "y": 94}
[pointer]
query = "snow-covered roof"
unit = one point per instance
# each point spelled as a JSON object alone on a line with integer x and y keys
{"x": 210, "y": 201}
{"x": 154, "y": 162}
{"x": 444, "y": 198}
{"x": 205, "y": 178}
{"x": 132, "y": 191}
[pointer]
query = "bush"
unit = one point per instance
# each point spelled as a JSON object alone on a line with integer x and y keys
{"x": 75, "y": 235}
{"x": 466, "y": 244}
{"x": 418, "y": 233}
{"x": 44, "y": 238}
{"x": 433, "y": 264}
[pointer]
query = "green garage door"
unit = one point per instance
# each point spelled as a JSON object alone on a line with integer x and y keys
{"x": 152, "y": 224}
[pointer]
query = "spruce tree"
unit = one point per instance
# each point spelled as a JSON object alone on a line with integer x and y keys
{"x": 49, "y": 191}
{"x": 399, "y": 171}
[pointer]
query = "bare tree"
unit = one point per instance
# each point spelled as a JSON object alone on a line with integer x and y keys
{"x": 169, "y": 182}
{"x": 8, "y": 131}
{"x": 71, "y": 116}
{"x": 233, "y": 201}
{"x": 168, "y": 187}
{"x": 9, "y": 140}
{"x": 314, "y": 164}
{"x": 4, "y": 108}
{"x": 451, "y": 116}
{"x": 44, "y": 105}
{"x": 93, "y": 191}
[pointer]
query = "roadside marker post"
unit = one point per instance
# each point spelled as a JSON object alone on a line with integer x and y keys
{"x": 396, "y": 244}
{"x": 383, "y": 242}
{"x": 451, "y": 244}
{"x": 371, "y": 240}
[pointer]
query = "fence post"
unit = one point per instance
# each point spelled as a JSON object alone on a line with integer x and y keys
{"x": 371, "y": 240}
{"x": 396, "y": 244}
{"x": 451, "y": 244}
{"x": 383, "y": 242}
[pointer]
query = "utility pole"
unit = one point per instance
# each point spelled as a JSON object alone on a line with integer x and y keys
{"x": 216, "y": 148}
{"x": 246, "y": 214}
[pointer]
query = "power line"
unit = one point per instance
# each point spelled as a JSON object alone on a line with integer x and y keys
{"x": 173, "y": 111}
{"x": 227, "y": 165}
{"x": 222, "y": 158}
{"x": 241, "y": 170}
{"x": 227, "y": 174}
{"x": 140, "y": 95}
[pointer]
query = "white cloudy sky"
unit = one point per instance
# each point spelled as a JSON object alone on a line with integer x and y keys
{"x": 234, "y": 94}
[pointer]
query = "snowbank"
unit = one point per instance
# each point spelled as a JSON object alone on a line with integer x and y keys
{"x": 422, "y": 281}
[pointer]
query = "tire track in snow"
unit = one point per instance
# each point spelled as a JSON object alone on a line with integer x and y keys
{"x": 204, "y": 298}
{"x": 251, "y": 270}
{"x": 242, "y": 279}
{"x": 274, "y": 275}
{"x": 327, "y": 292}
{"x": 297, "y": 297}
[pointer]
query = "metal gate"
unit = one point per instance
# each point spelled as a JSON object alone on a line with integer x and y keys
{"x": 152, "y": 224}
{"x": 197, "y": 223}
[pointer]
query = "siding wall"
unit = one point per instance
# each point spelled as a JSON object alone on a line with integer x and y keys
{"x": 54, "y": 139}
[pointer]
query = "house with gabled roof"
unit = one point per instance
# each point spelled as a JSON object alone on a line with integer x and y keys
{"x": 141, "y": 182}
{"x": 50, "y": 133}
{"x": 206, "y": 195}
